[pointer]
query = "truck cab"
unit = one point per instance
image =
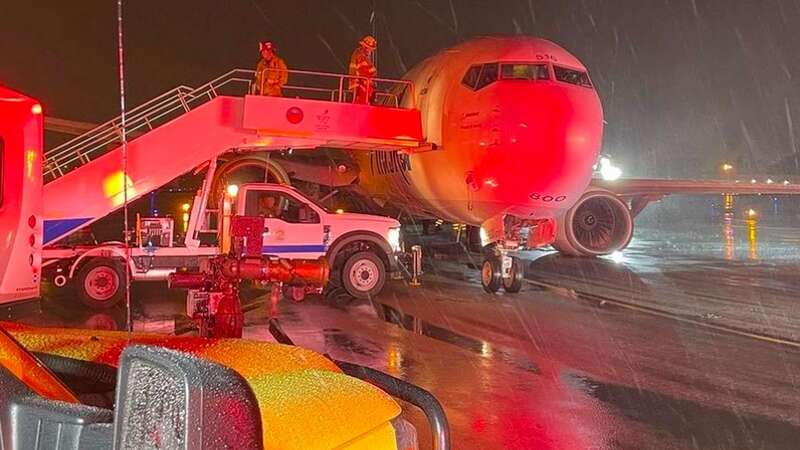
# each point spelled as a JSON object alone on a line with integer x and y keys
{"x": 361, "y": 248}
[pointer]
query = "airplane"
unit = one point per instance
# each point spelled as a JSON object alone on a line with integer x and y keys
{"x": 513, "y": 127}
{"x": 516, "y": 128}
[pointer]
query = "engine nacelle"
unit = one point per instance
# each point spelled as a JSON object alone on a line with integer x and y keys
{"x": 599, "y": 224}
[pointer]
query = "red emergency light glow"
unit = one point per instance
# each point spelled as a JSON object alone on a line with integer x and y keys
{"x": 294, "y": 115}
{"x": 113, "y": 187}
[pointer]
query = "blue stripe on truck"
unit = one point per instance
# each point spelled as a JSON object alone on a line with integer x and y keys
{"x": 56, "y": 228}
{"x": 269, "y": 249}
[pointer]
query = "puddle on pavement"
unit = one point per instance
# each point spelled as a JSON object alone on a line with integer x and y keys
{"x": 477, "y": 346}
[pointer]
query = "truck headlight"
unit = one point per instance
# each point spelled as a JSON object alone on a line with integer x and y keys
{"x": 393, "y": 236}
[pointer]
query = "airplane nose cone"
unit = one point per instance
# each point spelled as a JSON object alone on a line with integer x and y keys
{"x": 546, "y": 139}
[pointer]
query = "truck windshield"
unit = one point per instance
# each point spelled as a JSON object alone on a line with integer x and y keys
{"x": 318, "y": 203}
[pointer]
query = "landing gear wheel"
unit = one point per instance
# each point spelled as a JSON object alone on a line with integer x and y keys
{"x": 364, "y": 275}
{"x": 101, "y": 283}
{"x": 513, "y": 284}
{"x": 491, "y": 274}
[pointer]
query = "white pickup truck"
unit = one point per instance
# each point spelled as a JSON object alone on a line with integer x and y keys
{"x": 361, "y": 249}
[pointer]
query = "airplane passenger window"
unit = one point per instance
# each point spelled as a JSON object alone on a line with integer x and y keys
{"x": 488, "y": 75}
{"x": 524, "y": 72}
{"x": 572, "y": 76}
{"x": 471, "y": 77}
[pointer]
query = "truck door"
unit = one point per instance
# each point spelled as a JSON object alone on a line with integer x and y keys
{"x": 292, "y": 227}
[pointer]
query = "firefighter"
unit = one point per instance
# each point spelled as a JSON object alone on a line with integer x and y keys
{"x": 271, "y": 72}
{"x": 362, "y": 71}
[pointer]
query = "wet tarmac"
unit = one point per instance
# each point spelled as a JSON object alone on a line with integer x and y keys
{"x": 687, "y": 340}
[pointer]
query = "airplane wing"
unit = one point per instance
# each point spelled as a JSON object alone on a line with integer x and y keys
{"x": 641, "y": 191}
{"x": 635, "y": 187}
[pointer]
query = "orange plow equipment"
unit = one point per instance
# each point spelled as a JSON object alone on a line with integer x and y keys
{"x": 30, "y": 371}
{"x": 197, "y": 393}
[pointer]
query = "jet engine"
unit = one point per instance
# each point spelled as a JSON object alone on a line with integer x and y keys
{"x": 600, "y": 223}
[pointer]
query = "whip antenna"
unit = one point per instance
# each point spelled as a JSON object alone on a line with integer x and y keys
{"x": 124, "y": 137}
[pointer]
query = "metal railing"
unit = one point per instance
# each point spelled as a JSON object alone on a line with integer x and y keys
{"x": 176, "y": 102}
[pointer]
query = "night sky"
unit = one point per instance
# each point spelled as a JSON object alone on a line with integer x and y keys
{"x": 685, "y": 83}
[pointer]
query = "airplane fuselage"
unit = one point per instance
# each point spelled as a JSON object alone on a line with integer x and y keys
{"x": 510, "y": 136}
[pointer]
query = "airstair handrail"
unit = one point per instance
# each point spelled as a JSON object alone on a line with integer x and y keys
{"x": 182, "y": 99}
{"x": 131, "y": 115}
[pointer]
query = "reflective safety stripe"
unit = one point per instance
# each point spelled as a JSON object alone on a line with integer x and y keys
{"x": 55, "y": 228}
{"x": 267, "y": 249}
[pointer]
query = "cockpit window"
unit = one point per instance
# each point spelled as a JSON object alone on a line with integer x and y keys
{"x": 480, "y": 76}
{"x": 522, "y": 71}
{"x": 572, "y": 76}
{"x": 471, "y": 77}
{"x": 488, "y": 75}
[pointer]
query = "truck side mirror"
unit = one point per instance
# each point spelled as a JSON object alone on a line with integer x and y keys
{"x": 169, "y": 399}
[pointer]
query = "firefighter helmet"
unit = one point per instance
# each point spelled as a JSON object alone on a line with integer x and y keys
{"x": 266, "y": 45}
{"x": 369, "y": 42}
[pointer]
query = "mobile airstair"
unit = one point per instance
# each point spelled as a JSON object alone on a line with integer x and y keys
{"x": 180, "y": 130}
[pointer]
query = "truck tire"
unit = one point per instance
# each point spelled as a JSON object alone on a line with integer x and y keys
{"x": 364, "y": 275}
{"x": 100, "y": 283}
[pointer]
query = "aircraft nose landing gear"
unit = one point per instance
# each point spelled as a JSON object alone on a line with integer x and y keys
{"x": 501, "y": 270}
{"x": 503, "y": 234}
{"x": 512, "y": 281}
{"x": 491, "y": 274}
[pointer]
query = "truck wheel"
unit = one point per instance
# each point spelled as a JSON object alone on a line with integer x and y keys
{"x": 101, "y": 283}
{"x": 364, "y": 275}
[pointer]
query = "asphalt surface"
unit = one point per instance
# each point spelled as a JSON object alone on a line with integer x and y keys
{"x": 687, "y": 340}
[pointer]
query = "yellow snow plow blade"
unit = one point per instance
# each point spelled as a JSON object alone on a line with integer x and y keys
{"x": 304, "y": 399}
